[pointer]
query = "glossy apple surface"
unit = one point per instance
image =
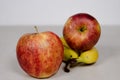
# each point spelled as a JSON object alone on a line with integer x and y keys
{"x": 81, "y": 31}
{"x": 40, "y": 54}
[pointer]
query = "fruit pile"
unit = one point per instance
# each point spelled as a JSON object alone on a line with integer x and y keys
{"x": 80, "y": 34}
{"x": 72, "y": 58}
{"x": 40, "y": 54}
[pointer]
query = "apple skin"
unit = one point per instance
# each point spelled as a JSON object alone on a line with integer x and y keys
{"x": 40, "y": 54}
{"x": 81, "y": 31}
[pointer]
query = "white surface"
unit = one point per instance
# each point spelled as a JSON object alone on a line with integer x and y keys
{"x": 52, "y": 12}
{"x": 106, "y": 68}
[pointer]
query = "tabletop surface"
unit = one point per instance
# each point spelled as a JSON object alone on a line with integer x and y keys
{"x": 106, "y": 68}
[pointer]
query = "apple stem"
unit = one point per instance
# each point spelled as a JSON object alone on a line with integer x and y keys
{"x": 83, "y": 28}
{"x": 36, "y": 29}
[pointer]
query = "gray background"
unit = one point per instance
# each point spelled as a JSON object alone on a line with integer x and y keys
{"x": 56, "y": 12}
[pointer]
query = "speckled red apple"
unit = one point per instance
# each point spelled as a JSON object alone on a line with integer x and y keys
{"x": 40, "y": 54}
{"x": 81, "y": 31}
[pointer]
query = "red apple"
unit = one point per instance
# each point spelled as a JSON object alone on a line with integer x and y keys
{"x": 40, "y": 54}
{"x": 81, "y": 31}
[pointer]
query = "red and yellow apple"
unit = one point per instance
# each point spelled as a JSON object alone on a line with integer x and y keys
{"x": 40, "y": 54}
{"x": 81, "y": 31}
